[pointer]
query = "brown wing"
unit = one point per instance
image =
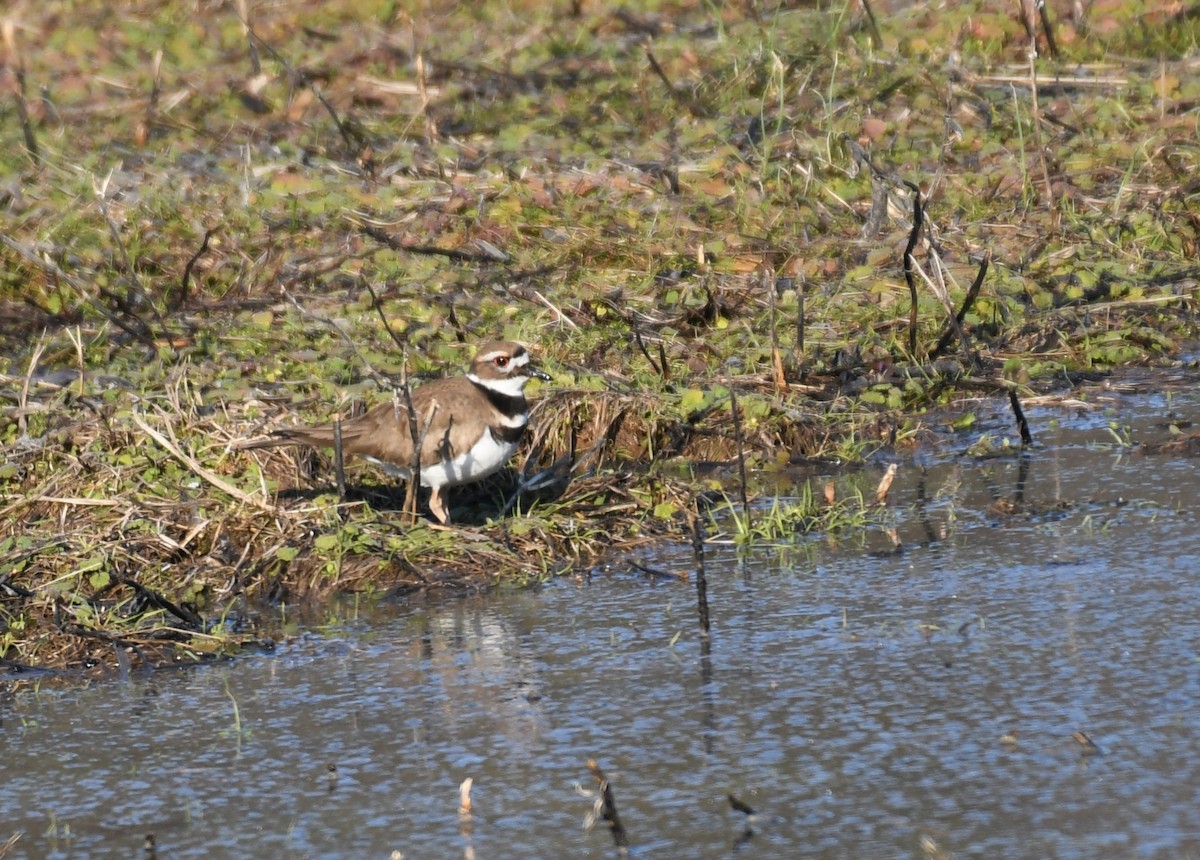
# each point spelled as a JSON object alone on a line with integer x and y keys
{"x": 384, "y": 431}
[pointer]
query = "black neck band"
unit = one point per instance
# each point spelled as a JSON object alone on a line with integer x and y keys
{"x": 508, "y": 405}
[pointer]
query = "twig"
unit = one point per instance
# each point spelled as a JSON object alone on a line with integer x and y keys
{"x": 693, "y": 107}
{"x": 1022, "y": 422}
{"x": 296, "y": 79}
{"x": 379, "y": 378}
{"x": 21, "y": 500}
{"x": 349, "y": 138}
{"x": 7, "y": 846}
{"x": 134, "y": 293}
{"x": 431, "y": 129}
{"x": 1087, "y": 746}
{"x": 739, "y": 806}
{"x": 465, "y": 824}
{"x": 464, "y": 798}
{"x": 75, "y": 335}
{"x": 82, "y": 502}
{"x": 741, "y": 452}
{"x": 659, "y": 572}
{"x": 968, "y": 302}
{"x": 872, "y": 24}
{"x": 608, "y": 809}
{"x": 339, "y": 458}
{"x": 701, "y": 575}
{"x": 637, "y": 337}
{"x": 1035, "y": 114}
{"x": 914, "y": 234}
{"x": 658, "y": 70}
{"x": 885, "y": 484}
{"x": 772, "y": 285}
{"x": 561, "y": 316}
{"x": 801, "y": 294}
{"x": 387, "y": 326}
{"x": 141, "y": 332}
{"x": 1059, "y": 82}
{"x": 23, "y": 397}
{"x": 401, "y": 397}
{"x": 558, "y": 471}
{"x": 187, "y": 271}
{"x": 243, "y": 12}
{"x": 938, "y": 288}
{"x": 145, "y": 128}
{"x": 460, "y": 332}
{"x": 414, "y": 473}
{"x": 671, "y": 168}
{"x": 450, "y": 253}
{"x": 199, "y": 470}
{"x": 417, "y": 435}
{"x": 155, "y": 599}
{"x": 18, "y": 61}
{"x": 1047, "y": 28}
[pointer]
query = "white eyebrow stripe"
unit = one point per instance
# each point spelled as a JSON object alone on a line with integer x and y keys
{"x": 521, "y": 357}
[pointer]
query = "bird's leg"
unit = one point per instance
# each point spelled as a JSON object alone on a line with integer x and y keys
{"x": 437, "y": 506}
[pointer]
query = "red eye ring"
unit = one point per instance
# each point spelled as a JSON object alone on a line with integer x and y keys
{"x": 500, "y": 361}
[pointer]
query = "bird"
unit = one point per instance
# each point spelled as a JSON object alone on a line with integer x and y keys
{"x": 469, "y": 426}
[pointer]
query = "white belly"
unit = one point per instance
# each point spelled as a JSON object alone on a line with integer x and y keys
{"x": 486, "y": 457}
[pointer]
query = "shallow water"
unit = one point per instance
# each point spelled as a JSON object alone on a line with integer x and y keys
{"x": 857, "y": 698}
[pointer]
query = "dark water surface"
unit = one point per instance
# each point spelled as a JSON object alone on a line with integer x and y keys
{"x": 857, "y": 699}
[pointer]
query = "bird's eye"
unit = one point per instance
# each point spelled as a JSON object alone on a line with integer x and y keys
{"x": 501, "y": 361}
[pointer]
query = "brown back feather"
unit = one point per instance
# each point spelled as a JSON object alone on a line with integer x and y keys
{"x": 384, "y": 431}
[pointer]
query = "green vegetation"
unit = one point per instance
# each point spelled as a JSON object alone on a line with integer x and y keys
{"x": 212, "y": 225}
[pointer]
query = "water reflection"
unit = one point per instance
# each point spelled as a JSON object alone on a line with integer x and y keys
{"x": 916, "y": 699}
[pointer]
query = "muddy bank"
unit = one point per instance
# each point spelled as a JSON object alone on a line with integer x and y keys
{"x": 768, "y": 248}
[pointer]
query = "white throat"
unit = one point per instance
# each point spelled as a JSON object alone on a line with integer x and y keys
{"x": 510, "y": 386}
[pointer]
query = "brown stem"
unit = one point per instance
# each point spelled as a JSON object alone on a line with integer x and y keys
{"x": 972, "y": 294}
{"x": 187, "y": 272}
{"x": 741, "y": 452}
{"x": 801, "y": 294}
{"x": 418, "y": 440}
{"x": 637, "y": 336}
{"x": 701, "y": 576}
{"x": 339, "y": 458}
{"x": 31, "y": 144}
{"x": 609, "y": 808}
{"x": 918, "y": 220}
{"x": 872, "y": 25}
{"x": 450, "y": 253}
{"x": 1047, "y": 28}
{"x": 1022, "y": 422}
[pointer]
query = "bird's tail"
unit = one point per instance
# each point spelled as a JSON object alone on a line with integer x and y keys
{"x": 315, "y": 436}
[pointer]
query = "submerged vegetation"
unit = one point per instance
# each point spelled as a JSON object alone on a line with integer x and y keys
{"x": 745, "y": 239}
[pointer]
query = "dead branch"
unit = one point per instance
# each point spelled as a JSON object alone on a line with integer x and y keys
{"x": 909, "y": 264}
{"x": 972, "y": 294}
{"x": 608, "y": 807}
{"x": 1022, "y": 422}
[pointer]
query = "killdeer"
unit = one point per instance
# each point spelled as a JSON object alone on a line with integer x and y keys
{"x": 469, "y": 425}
